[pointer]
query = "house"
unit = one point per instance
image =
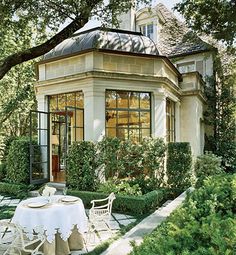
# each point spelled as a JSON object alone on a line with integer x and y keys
{"x": 144, "y": 79}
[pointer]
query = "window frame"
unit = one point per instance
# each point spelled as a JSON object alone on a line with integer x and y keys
{"x": 171, "y": 119}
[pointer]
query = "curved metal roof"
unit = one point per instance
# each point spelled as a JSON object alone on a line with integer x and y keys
{"x": 102, "y": 38}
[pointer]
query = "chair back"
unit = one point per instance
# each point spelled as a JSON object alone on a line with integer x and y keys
{"x": 48, "y": 191}
{"x": 111, "y": 198}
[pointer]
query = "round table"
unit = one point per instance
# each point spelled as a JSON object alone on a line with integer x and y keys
{"x": 56, "y": 220}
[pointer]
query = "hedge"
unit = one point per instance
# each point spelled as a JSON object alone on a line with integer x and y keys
{"x": 204, "y": 225}
{"x": 134, "y": 205}
{"x": 15, "y": 190}
{"x": 179, "y": 165}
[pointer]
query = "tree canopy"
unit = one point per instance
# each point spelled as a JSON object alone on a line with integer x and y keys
{"x": 49, "y": 15}
{"x": 212, "y": 17}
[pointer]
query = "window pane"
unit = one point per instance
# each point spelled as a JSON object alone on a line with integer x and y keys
{"x": 110, "y": 99}
{"x": 111, "y": 118}
{"x": 123, "y": 118}
{"x": 111, "y": 132}
{"x": 170, "y": 120}
{"x": 134, "y": 100}
{"x": 61, "y": 102}
{"x": 122, "y": 133}
{"x": 145, "y": 133}
{"x": 150, "y": 31}
{"x": 70, "y": 99}
{"x": 122, "y": 99}
{"x": 134, "y": 135}
{"x": 145, "y": 119}
{"x": 134, "y": 119}
{"x": 53, "y": 103}
{"x": 144, "y": 100}
{"x": 79, "y": 100}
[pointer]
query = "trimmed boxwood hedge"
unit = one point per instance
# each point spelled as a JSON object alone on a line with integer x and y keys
{"x": 134, "y": 205}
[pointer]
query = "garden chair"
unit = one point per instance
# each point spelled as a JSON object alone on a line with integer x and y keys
{"x": 48, "y": 191}
{"x": 13, "y": 240}
{"x": 100, "y": 214}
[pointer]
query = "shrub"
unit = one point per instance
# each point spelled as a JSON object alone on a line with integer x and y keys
{"x": 179, "y": 165}
{"x": 81, "y": 164}
{"x": 127, "y": 159}
{"x": 7, "y": 142}
{"x": 134, "y": 205}
{"x": 120, "y": 187}
{"x": 14, "y": 190}
{"x": 205, "y": 224}
{"x": 3, "y": 171}
{"x": 206, "y": 165}
{"x": 18, "y": 161}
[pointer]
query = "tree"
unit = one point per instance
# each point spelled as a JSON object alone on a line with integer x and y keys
{"x": 49, "y": 15}
{"x": 217, "y": 18}
{"x": 212, "y": 17}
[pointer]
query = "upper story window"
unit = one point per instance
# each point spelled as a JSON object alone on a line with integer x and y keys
{"x": 191, "y": 67}
{"x": 186, "y": 67}
{"x": 147, "y": 30}
{"x": 128, "y": 114}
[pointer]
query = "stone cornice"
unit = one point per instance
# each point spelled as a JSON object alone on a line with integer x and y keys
{"x": 108, "y": 75}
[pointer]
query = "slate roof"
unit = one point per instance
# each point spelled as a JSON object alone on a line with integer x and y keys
{"x": 175, "y": 38}
{"x": 101, "y": 38}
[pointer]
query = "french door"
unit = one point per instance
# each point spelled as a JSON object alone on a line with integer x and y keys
{"x": 39, "y": 147}
{"x": 51, "y": 134}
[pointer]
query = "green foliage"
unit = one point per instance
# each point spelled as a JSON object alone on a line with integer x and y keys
{"x": 120, "y": 187}
{"x": 204, "y": 225}
{"x": 6, "y": 212}
{"x": 109, "y": 155}
{"x": 7, "y": 143}
{"x": 14, "y": 190}
{"x": 179, "y": 165}
{"x": 219, "y": 22}
{"x": 81, "y": 165}
{"x": 220, "y": 114}
{"x": 206, "y": 165}
{"x": 18, "y": 161}
{"x": 134, "y": 205}
{"x": 127, "y": 159}
{"x": 3, "y": 171}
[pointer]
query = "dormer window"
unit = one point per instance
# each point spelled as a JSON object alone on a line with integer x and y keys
{"x": 147, "y": 30}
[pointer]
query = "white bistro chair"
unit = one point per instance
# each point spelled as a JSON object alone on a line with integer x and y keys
{"x": 13, "y": 240}
{"x": 100, "y": 214}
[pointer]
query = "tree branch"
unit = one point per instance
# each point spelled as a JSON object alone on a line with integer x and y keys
{"x": 39, "y": 50}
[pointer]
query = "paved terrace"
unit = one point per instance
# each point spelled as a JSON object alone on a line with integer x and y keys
{"x": 121, "y": 246}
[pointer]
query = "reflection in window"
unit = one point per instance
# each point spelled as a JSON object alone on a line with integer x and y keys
{"x": 70, "y": 105}
{"x": 170, "y": 121}
{"x": 128, "y": 115}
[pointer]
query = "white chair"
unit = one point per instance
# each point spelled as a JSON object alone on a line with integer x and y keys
{"x": 100, "y": 213}
{"x": 48, "y": 191}
{"x": 13, "y": 240}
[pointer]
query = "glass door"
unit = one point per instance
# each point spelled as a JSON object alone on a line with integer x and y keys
{"x": 58, "y": 145}
{"x": 39, "y": 147}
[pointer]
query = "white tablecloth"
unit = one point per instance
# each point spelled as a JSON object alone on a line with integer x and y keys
{"x": 55, "y": 217}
